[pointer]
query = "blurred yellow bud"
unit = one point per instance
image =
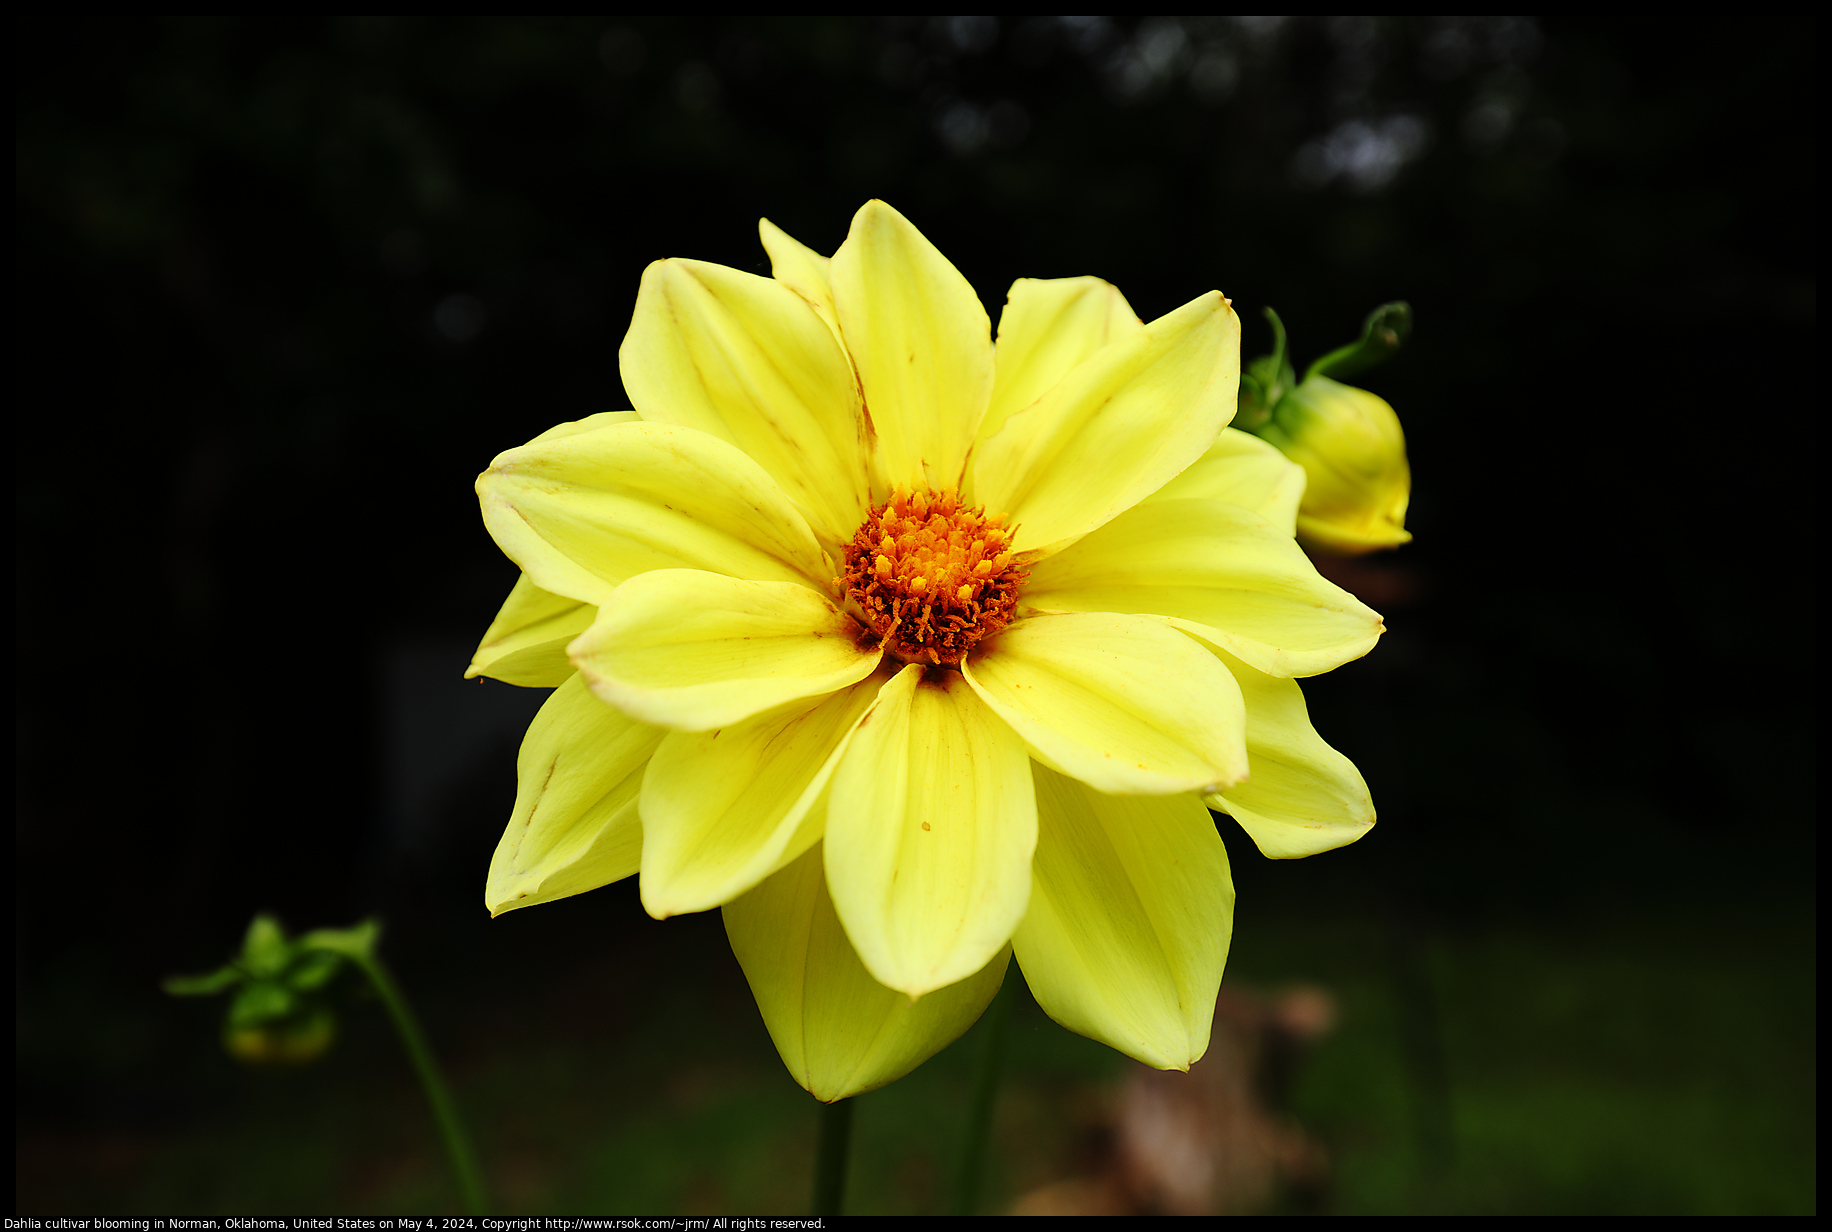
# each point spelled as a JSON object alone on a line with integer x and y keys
{"x": 277, "y": 1015}
{"x": 294, "y": 1040}
{"x": 1354, "y": 457}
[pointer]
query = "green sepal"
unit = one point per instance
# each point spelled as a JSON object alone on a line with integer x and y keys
{"x": 357, "y": 942}
{"x": 1264, "y": 381}
{"x": 220, "y": 980}
{"x": 1381, "y": 334}
{"x": 260, "y": 1001}
{"x": 264, "y": 949}
{"x": 313, "y": 969}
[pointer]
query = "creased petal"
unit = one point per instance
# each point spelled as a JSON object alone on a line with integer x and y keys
{"x": 1049, "y": 325}
{"x": 1115, "y": 429}
{"x": 584, "y": 512}
{"x": 526, "y": 643}
{"x": 1123, "y": 703}
{"x": 1303, "y": 797}
{"x": 742, "y": 358}
{"x": 693, "y": 650}
{"x": 1218, "y": 571}
{"x": 802, "y": 270}
{"x": 922, "y": 344}
{"x": 839, "y": 1031}
{"x": 930, "y": 831}
{"x": 722, "y": 810}
{"x": 575, "y": 824}
{"x": 1241, "y": 469}
{"x": 1132, "y": 908}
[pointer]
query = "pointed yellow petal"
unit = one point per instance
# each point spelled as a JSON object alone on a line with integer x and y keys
{"x": 526, "y": 643}
{"x": 722, "y": 810}
{"x": 839, "y": 1031}
{"x": 1115, "y": 429}
{"x": 1241, "y": 469}
{"x": 584, "y": 512}
{"x": 1303, "y": 797}
{"x": 575, "y": 825}
{"x": 801, "y": 269}
{"x": 1049, "y": 325}
{"x": 591, "y": 423}
{"x": 693, "y": 650}
{"x": 930, "y": 831}
{"x": 1132, "y": 908}
{"x": 1218, "y": 571}
{"x": 742, "y": 358}
{"x": 922, "y": 345}
{"x": 1123, "y": 703}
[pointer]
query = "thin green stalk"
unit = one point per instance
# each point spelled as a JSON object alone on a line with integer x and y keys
{"x": 830, "y": 1161}
{"x": 445, "y": 1112}
{"x": 979, "y": 1114}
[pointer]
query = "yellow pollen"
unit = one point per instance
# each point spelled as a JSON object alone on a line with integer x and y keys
{"x": 931, "y": 578}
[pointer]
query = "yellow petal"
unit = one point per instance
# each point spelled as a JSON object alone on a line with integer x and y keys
{"x": 722, "y": 810}
{"x": 742, "y": 358}
{"x": 1339, "y": 540}
{"x": 1243, "y": 470}
{"x": 591, "y": 423}
{"x": 922, "y": 345}
{"x": 1218, "y": 571}
{"x": 1115, "y": 429}
{"x": 1123, "y": 703}
{"x": 1132, "y": 907}
{"x": 839, "y": 1031}
{"x": 575, "y": 825}
{"x": 1303, "y": 797}
{"x": 694, "y": 651}
{"x": 584, "y": 512}
{"x": 801, "y": 269}
{"x": 1049, "y": 325}
{"x": 526, "y": 643}
{"x": 930, "y": 831}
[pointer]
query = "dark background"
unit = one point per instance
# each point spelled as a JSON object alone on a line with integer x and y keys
{"x": 284, "y": 288}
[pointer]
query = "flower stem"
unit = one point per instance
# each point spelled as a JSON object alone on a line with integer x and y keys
{"x": 830, "y": 1163}
{"x": 458, "y": 1147}
{"x": 979, "y": 1114}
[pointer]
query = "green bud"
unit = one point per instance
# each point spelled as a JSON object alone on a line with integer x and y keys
{"x": 1357, "y": 480}
{"x": 277, "y": 1015}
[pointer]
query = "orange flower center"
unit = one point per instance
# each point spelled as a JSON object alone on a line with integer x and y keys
{"x": 932, "y": 577}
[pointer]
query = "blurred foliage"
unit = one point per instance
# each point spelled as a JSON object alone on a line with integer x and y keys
{"x": 285, "y": 285}
{"x": 277, "y": 1015}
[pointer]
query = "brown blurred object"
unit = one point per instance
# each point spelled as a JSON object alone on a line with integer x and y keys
{"x": 1214, "y": 1141}
{"x": 1379, "y": 581}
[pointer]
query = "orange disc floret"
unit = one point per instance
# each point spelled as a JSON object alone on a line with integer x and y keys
{"x": 932, "y": 577}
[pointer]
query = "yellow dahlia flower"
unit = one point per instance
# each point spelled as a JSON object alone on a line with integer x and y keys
{"x": 913, "y": 651}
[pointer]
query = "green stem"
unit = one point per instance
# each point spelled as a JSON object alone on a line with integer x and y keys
{"x": 445, "y": 1111}
{"x": 979, "y": 1115}
{"x": 830, "y": 1162}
